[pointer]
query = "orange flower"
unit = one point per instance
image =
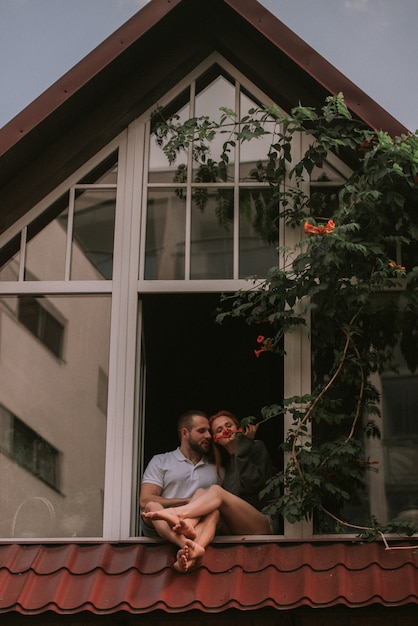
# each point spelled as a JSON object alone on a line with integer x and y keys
{"x": 268, "y": 347}
{"x": 310, "y": 229}
{"x": 395, "y": 266}
{"x": 368, "y": 143}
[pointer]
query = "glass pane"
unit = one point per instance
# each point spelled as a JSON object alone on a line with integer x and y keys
{"x": 398, "y": 448}
{"x": 53, "y": 418}
{"x": 10, "y": 269}
{"x": 93, "y": 233}
{"x": 45, "y": 251}
{"x": 165, "y": 235}
{"x": 393, "y": 488}
{"x": 212, "y": 234}
{"x": 327, "y": 173}
{"x": 258, "y": 236}
{"x": 220, "y": 93}
{"x": 390, "y": 440}
{"x": 251, "y": 152}
{"x": 160, "y": 170}
{"x": 105, "y": 173}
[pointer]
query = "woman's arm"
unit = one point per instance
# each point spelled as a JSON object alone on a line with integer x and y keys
{"x": 252, "y": 464}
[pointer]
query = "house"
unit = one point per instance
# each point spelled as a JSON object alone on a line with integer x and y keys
{"x": 109, "y": 277}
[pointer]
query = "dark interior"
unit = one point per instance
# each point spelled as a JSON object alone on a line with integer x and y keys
{"x": 194, "y": 363}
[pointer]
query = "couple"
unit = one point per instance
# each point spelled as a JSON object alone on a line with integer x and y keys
{"x": 181, "y": 498}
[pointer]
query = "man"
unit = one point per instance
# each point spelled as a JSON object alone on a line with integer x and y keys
{"x": 172, "y": 479}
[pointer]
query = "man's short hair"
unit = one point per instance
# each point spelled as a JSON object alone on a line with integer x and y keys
{"x": 186, "y": 420}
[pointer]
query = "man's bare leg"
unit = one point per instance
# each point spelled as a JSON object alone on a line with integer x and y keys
{"x": 189, "y": 551}
{"x": 182, "y": 526}
{"x": 155, "y": 513}
{"x": 163, "y": 528}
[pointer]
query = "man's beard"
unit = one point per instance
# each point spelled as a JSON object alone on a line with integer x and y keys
{"x": 197, "y": 447}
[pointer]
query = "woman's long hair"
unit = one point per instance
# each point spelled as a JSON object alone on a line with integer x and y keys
{"x": 220, "y": 455}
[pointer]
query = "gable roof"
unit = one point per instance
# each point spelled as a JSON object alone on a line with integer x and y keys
{"x": 124, "y": 76}
{"x": 139, "y": 577}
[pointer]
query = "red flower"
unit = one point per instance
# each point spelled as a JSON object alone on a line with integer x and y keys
{"x": 226, "y": 433}
{"x": 260, "y": 338}
{"x": 367, "y": 462}
{"x": 310, "y": 229}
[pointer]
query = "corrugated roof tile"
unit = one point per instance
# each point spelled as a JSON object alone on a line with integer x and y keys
{"x": 138, "y": 577}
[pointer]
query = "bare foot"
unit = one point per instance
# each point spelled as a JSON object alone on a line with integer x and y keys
{"x": 185, "y": 528}
{"x": 169, "y": 515}
{"x": 182, "y": 563}
{"x": 187, "y": 556}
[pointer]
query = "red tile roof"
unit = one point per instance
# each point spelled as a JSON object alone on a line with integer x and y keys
{"x": 139, "y": 578}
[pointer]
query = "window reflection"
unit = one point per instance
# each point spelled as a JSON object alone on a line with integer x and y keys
{"x": 222, "y": 223}
{"x": 43, "y": 242}
{"x": 45, "y": 252}
{"x": 212, "y": 234}
{"x": 164, "y": 248}
{"x": 93, "y": 233}
{"x": 219, "y": 93}
{"x": 252, "y": 152}
{"x": 10, "y": 269}
{"x": 159, "y": 169}
{"x": 52, "y": 424}
{"x": 258, "y": 235}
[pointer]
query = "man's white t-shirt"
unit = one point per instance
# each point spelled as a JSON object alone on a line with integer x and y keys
{"x": 177, "y": 476}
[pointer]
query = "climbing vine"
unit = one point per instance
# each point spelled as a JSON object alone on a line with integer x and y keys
{"x": 351, "y": 281}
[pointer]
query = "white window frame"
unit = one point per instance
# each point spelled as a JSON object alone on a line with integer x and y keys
{"x": 122, "y": 457}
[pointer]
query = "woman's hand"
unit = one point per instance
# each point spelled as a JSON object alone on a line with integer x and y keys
{"x": 250, "y": 430}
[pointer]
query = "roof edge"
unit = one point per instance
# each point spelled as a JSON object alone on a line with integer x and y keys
{"x": 317, "y": 66}
{"x": 90, "y": 65}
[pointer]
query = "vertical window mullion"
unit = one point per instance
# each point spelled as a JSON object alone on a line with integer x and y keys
{"x": 144, "y": 200}
{"x": 69, "y": 233}
{"x": 188, "y": 230}
{"x": 23, "y": 240}
{"x": 236, "y": 187}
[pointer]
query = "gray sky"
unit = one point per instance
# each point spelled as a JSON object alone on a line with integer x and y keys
{"x": 372, "y": 42}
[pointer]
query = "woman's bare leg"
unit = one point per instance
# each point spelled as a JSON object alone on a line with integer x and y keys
{"x": 240, "y": 516}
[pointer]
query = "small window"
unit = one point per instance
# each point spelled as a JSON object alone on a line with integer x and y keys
{"x": 29, "y": 450}
{"x": 35, "y": 454}
{"x": 41, "y": 323}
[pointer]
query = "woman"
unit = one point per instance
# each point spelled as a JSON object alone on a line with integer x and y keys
{"x": 244, "y": 465}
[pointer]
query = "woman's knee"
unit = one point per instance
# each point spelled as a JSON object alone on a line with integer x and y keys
{"x": 199, "y": 492}
{"x": 217, "y": 491}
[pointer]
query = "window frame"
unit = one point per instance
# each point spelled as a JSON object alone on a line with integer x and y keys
{"x": 125, "y": 367}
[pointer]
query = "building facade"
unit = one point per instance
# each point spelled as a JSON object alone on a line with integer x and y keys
{"x": 110, "y": 274}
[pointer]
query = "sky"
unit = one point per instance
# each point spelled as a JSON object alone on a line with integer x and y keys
{"x": 373, "y": 42}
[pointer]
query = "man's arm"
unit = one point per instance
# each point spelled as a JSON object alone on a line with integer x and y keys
{"x": 152, "y": 493}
